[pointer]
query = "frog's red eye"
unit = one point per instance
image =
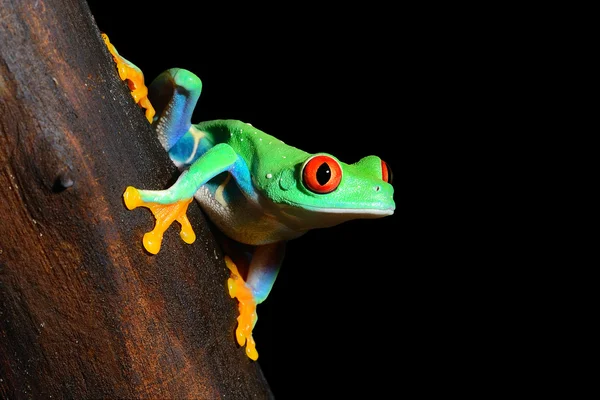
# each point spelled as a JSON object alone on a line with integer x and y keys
{"x": 386, "y": 172}
{"x": 322, "y": 174}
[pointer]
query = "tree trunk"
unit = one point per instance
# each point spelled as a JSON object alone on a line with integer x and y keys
{"x": 85, "y": 312}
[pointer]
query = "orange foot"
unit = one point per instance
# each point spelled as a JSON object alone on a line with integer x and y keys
{"x": 135, "y": 79}
{"x": 247, "y": 308}
{"x": 165, "y": 214}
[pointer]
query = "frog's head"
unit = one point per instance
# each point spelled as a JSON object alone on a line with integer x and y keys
{"x": 319, "y": 190}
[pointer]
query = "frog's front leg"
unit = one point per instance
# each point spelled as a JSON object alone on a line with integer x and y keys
{"x": 171, "y": 204}
{"x": 262, "y": 272}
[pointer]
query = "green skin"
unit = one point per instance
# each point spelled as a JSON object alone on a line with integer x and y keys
{"x": 270, "y": 183}
{"x": 252, "y": 185}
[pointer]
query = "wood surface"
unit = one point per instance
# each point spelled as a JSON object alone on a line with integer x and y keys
{"x": 85, "y": 311}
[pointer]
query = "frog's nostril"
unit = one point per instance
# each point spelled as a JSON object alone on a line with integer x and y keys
{"x": 377, "y": 188}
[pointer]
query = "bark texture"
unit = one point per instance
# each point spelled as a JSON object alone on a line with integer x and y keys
{"x": 85, "y": 311}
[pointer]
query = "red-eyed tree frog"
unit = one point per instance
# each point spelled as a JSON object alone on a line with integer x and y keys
{"x": 256, "y": 189}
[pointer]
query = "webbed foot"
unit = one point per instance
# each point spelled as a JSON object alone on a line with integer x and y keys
{"x": 134, "y": 77}
{"x": 165, "y": 214}
{"x": 247, "y": 307}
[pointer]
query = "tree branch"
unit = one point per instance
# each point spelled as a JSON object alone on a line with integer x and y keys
{"x": 85, "y": 312}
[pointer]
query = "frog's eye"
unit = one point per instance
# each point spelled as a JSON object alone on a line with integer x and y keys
{"x": 322, "y": 174}
{"x": 386, "y": 172}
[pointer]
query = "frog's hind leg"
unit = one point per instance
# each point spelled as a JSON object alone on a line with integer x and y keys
{"x": 263, "y": 269}
{"x": 134, "y": 77}
{"x": 174, "y": 94}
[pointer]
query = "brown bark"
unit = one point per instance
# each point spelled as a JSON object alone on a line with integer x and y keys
{"x": 85, "y": 312}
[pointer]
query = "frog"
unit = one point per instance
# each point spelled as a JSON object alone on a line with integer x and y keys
{"x": 258, "y": 191}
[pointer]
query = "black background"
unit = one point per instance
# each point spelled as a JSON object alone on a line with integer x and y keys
{"x": 341, "y": 316}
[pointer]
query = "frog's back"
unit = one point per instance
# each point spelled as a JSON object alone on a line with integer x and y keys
{"x": 246, "y": 140}
{"x": 205, "y": 135}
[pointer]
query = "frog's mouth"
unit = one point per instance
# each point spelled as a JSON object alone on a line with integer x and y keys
{"x": 353, "y": 212}
{"x": 373, "y": 211}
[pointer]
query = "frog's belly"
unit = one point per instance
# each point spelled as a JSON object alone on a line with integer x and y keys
{"x": 241, "y": 219}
